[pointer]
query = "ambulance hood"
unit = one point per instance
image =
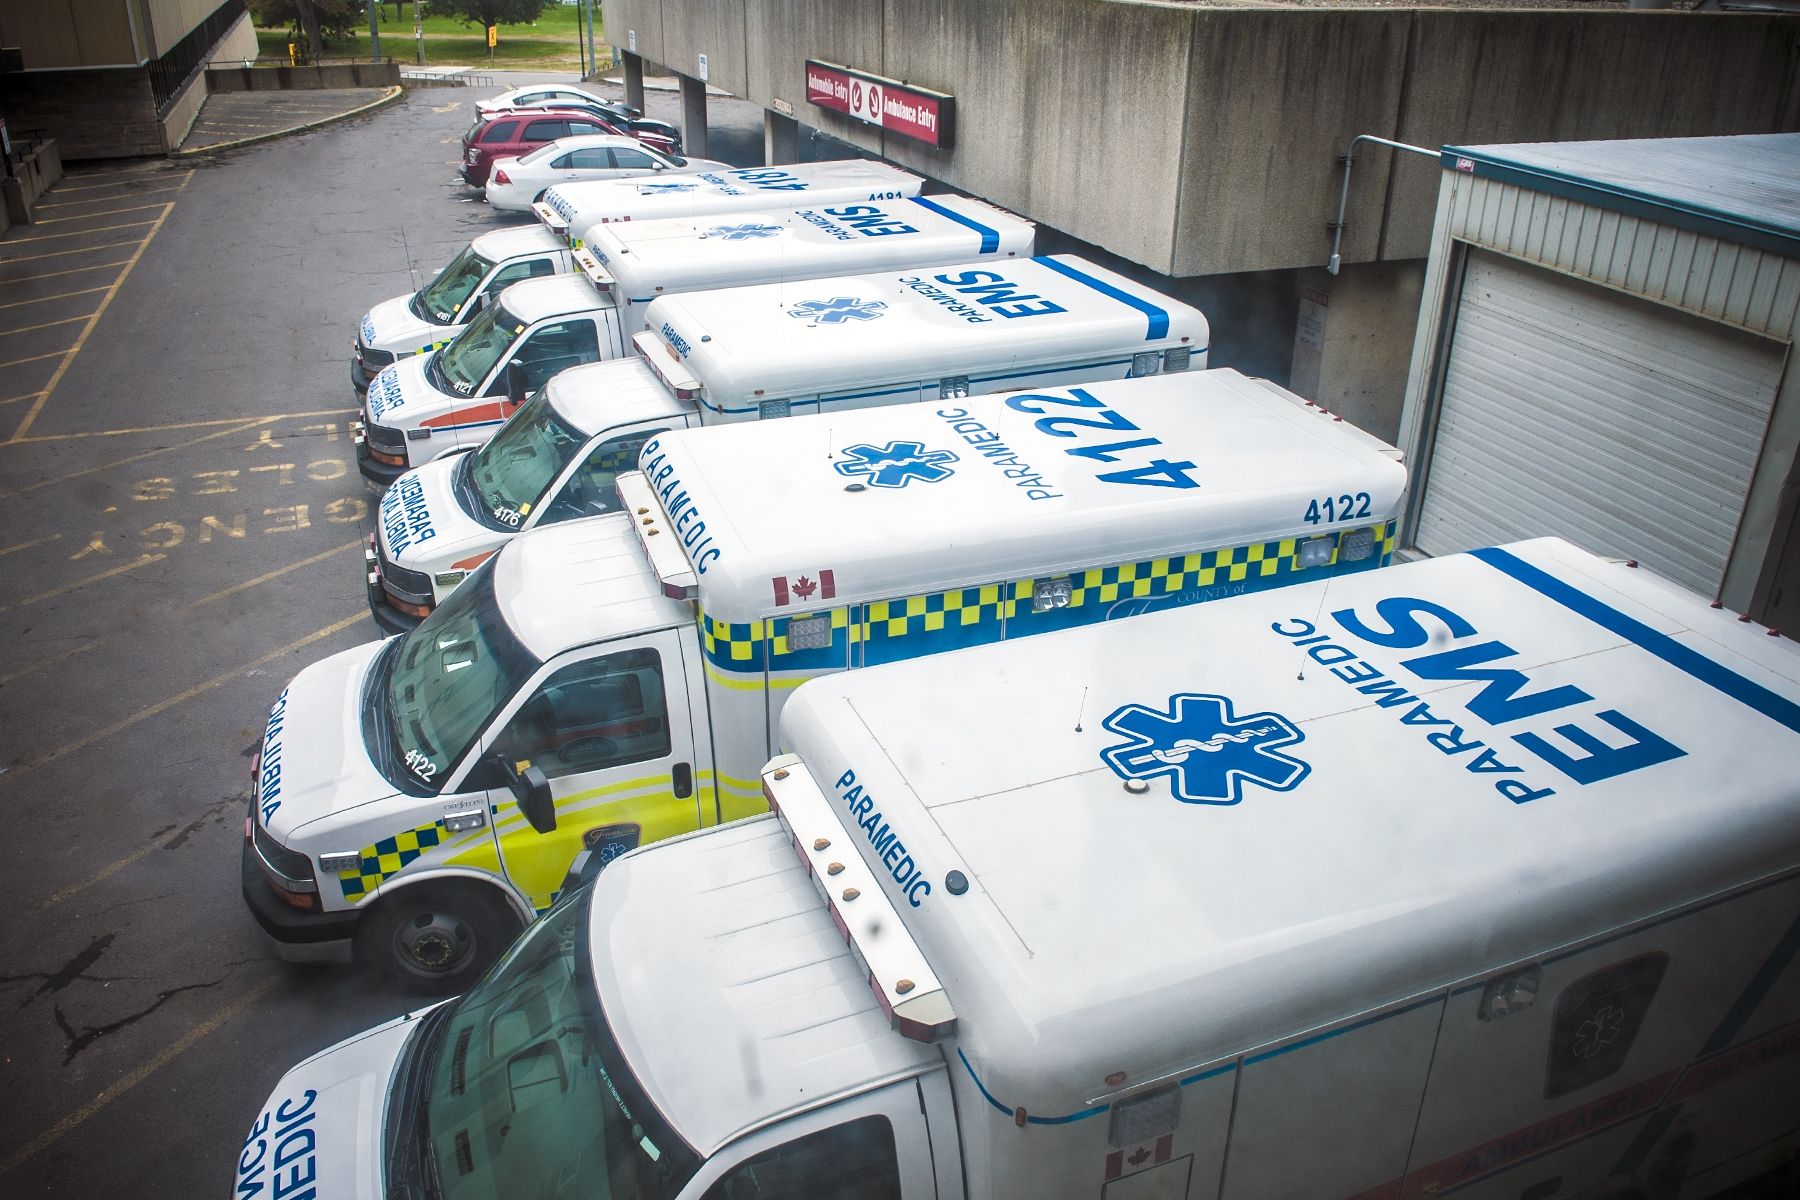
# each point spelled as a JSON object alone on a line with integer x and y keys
{"x": 423, "y": 528}
{"x": 314, "y": 762}
{"x": 391, "y": 325}
{"x": 402, "y": 395}
{"x": 320, "y": 1133}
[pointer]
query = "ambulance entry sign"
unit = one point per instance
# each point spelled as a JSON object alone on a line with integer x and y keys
{"x": 913, "y": 112}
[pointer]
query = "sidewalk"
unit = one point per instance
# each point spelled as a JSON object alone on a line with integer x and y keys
{"x": 233, "y": 119}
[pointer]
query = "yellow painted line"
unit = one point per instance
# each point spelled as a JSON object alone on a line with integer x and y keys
{"x": 105, "y": 199}
{"x": 114, "y": 1090}
{"x": 164, "y": 705}
{"x": 105, "y": 212}
{"x": 143, "y": 560}
{"x": 37, "y": 406}
{"x": 268, "y": 575}
{"x": 14, "y": 362}
{"x": 120, "y": 462}
{"x": 46, "y": 324}
{"x": 17, "y": 399}
{"x": 28, "y": 545}
{"x": 49, "y": 662}
{"x": 93, "y": 433}
{"x": 64, "y": 254}
{"x": 112, "y": 172}
{"x": 78, "y": 233}
{"x": 48, "y": 299}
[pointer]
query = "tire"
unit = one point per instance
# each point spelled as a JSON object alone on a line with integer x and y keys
{"x": 437, "y": 938}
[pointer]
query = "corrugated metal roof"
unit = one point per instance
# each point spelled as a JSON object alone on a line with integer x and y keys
{"x": 1745, "y": 189}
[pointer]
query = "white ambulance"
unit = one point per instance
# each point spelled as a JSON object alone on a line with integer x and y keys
{"x": 974, "y": 326}
{"x": 601, "y": 684}
{"x": 1478, "y": 876}
{"x": 574, "y": 209}
{"x": 427, "y": 319}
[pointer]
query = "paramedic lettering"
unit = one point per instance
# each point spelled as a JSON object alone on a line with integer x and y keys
{"x": 683, "y": 513}
{"x": 889, "y": 849}
{"x": 283, "y": 1161}
{"x": 1207, "y": 753}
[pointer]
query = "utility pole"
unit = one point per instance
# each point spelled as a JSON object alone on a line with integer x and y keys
{"x": 593, "y": 57}
{"x": 418, "y": 34}
{"x": 375, "y": 30}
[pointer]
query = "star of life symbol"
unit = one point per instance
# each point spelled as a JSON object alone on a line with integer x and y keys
{"x": 896, "y": 464}
{"x": 1207, "y": 753}
{"x": 1598, "y": 1031}
{"x": 651, "y": 189}
{"x": 837, "y": 310}
{"x": 738, "y": 233}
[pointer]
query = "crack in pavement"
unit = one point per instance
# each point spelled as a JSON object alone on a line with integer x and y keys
{"x": 75, "y": 968}
{"x": 93, "y": 1033}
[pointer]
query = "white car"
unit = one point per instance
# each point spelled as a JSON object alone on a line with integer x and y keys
{"x": 516, "y": 183}
{"x": 542, "y": 93}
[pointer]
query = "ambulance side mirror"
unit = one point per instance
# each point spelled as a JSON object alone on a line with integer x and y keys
{"x": 515, "y": 381}
{"x": 531, "y": 788}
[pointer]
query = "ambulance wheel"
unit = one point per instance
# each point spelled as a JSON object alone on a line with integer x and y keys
{"x": 437, "y": 938}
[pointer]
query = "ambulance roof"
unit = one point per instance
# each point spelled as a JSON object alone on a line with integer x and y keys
{"x": 651, "y": 257}
{"x": 1000, "y": 488}
{"x": 859, "y": 336}
{"x": 534, "y": 300}
{"x": 578, "y": 582}
{"x": 731, "y": 994}
{"x": 598, "y": 396}
{"x": 680, "y": 192}
{"x": 1333, "y": 854}
{"x": 503, "y": 244}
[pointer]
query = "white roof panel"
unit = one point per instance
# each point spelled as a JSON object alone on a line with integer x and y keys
{"x": 920, "y": 497}
{"x": 1316, "y": 797}
{"x": 578, "y": 582}
{"x": 533, "y": 300}
{"x": 503, "y": 244}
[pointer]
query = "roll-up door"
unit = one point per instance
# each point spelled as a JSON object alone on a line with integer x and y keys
{"x": 1630, "y": 428}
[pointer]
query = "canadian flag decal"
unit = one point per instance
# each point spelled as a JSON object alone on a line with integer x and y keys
{"x": 804, "y": 588}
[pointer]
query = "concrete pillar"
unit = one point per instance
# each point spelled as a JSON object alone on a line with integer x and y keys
{"x": 693, "y": 116}
{"x": 634, "y": 79}
{"x": 781, "y": 138}
{"x": 1353, "y": 342}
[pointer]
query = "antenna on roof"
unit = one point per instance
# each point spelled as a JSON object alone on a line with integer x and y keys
{"x": 1317, "y": 613}
{"x": 1081, "y": 711}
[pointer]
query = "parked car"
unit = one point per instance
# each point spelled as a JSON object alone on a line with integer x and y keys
{"x": 515, "y": 184}
{"x": 543, "y": 95}
{"x": 510, "y": 133}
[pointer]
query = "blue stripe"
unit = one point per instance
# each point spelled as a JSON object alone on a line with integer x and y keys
{"x": 1721, "y": 678}
{"x": 1325, "y": 1037}
{"x": 1159, "y": 317}
{"x": 990, "y": 238}
{"x": 1029, "y": 1119}
{"x": 842, "y": 396}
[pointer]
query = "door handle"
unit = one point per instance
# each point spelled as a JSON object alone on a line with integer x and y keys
{"x": 682, "y": 776}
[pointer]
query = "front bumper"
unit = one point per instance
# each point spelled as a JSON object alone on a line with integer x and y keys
{"x": 379, "y": 473}
{"x": 297, "y": 935}
{"x": 389, "y": 618}
{"x": 359, "y": 379}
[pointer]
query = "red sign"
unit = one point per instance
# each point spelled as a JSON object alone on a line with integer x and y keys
{"x": 900, "y": 108}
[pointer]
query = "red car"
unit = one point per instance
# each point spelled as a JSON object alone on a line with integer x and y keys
{"x": 510, "y": 133}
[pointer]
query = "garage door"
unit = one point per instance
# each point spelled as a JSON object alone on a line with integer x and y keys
{"x": 1629, "y": 428}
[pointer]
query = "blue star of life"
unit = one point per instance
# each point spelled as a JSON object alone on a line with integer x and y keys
{"x": 1207, "y": 753}
{"x": 650, "y": 189}
{"x": 738, "y": 233}
{"x": 896, "y": 464}
{"x": 837, "y": 310}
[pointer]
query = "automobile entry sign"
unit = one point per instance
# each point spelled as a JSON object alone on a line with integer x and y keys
{"x": 897, "y": 107}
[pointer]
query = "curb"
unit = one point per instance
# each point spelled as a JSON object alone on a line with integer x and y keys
{"x": 392, "y": 94}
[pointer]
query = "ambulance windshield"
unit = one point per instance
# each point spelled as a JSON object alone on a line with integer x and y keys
{"x": 516, "y": 467}
{"x": 460, "y": 367}
{"x": 529, "y": 1096}
{"x": 442, "y": 299}
{"x": 451, "y": 675}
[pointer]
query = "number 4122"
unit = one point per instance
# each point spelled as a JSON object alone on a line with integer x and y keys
{"x": 1338, "y": 508}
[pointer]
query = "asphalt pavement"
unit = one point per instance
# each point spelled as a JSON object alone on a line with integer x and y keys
{"x": 182, "y": 517}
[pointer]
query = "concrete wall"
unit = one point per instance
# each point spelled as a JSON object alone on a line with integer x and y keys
{"x": 91, "y": 114}
{"x": 280, "y": 79}
{"x": 1201, "y": 141}
{"x": 72, "y": 33}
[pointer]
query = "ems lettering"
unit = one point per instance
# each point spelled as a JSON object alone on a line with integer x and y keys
{"x": 279, "y": 1155}
{"x": 884, "y": 840}
{"x": 870, "y": 221}
{"x": 994, "y": 291}
{"x": 268, "y": 781}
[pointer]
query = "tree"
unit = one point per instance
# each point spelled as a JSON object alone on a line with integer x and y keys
{"x": 488, "y": 13}
{"x": 312, "y": 20}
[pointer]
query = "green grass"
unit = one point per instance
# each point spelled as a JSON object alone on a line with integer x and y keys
{"x": 551, "y": 43}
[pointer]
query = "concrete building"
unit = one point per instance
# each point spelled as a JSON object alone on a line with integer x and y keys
{"x": 1201, "y": 142}
{"x": 116, "y": 78}
{"x": 1605, "y": 353}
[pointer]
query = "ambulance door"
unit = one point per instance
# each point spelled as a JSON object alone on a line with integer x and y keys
{"x": 504, "y": 276}
{"x": 611, "y": 730}
{"x": 587, "y": 488}
{"x": 553, "y": 347}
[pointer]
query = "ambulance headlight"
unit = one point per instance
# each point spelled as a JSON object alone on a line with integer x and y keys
{"x": 1356, "y": 545}
{"x": 1147, "y": 363}
{"x": 338, "y": 863}
{"x": 448, "y": 579}
{"x": 1047, "y": 594}
{"x": 1509, "y": 994}
{"x": 1316, "y": 552}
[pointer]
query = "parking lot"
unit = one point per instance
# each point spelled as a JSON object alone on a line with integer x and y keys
{"x": 182, "y": 520}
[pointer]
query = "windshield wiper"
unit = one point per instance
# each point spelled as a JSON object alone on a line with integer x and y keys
{"x": 411, "y": 1168}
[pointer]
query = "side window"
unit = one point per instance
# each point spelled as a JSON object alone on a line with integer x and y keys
{"x": 852, "y": 1161}
{"x": 545, "y": 131}
{"x": 1597, "y": 1019}
{"x": 593, "y": 156}
{"x": 591, "y": 715}
{"x": 624, "y": 156}
{"x": 585, "y": 127}
{"x": 556, "y": 347}
{"x": 510, "y": 274}
{"x": 563, "y": 163}
{"x": 501, "y": 131}
{"x": 589, "y": 490}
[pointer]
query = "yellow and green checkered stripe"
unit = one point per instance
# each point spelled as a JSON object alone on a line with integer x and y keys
{"x": 888, "y": 630}
{"x": 387, "y": 858}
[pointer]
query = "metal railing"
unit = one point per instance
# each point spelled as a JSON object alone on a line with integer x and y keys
{"x": 170, "y": 73}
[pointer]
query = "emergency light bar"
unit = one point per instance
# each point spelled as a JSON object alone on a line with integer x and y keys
{"x": 662, "y": 545}
{"x": 590, "y": 266}
{"x": 554, "y": 221}
{"x": 668, "y": 368}
{"x": 909, "y": 993}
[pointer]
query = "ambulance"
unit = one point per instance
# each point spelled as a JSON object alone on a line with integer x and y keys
{"x": 427, "y": 319}
{"x": 969, "y": 327}
{"x": 740, "y": 355}
{"x": 606, "y": 683}
{"x": 550, "y": 325}
{"x": 1476, "y": 876}
{"x": 573, "y": 210}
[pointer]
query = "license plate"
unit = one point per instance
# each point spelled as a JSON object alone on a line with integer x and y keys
{"x": 473, "y": 155}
